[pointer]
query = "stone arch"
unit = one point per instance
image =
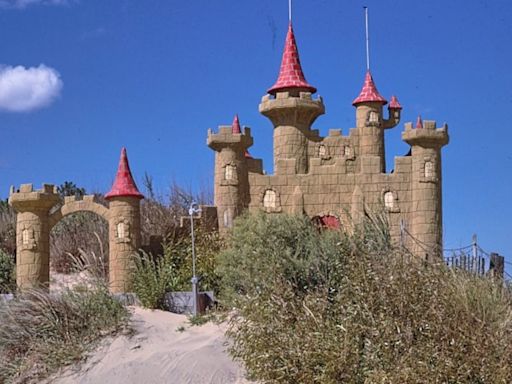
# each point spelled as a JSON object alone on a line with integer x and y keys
{"x": 73, "y": 205}
{"x": 327, "y": 221}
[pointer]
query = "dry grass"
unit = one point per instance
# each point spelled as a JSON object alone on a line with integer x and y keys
{"x": 337, "y": 308}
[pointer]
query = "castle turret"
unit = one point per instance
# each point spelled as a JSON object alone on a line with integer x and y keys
{"x": 371, "y": 123}
{"x": 124, "y": 226}
{"x": 425, "y": 225}
{"x": 33, "y": 233}
{"x": 231, "y": 192}
{"x": 292, "y": 111}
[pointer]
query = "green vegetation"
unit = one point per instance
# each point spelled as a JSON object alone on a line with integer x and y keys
{"x": 153, "y": 277}
{"x": 7, "y": 273}
{"x": 40, "y": 333}
{"x": 334, "y": 307}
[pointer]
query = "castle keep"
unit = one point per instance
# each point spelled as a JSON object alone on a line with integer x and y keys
{"x": 336, "y": 178}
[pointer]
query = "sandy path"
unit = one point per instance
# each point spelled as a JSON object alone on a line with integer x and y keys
{"x": 160, "y": 353}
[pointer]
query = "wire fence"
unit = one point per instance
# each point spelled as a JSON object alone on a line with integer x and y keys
{"x": 470, "y": 258}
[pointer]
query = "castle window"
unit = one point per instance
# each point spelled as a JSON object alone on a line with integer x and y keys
{"x": 269, "y": 199}
{"x": 228, "y": 218}
{"x": 429, "y": 169}
{"x": 121, "y": 232}
{"x": 348, "y": 151}
{"x": 373, "y": 117}
{"x": 322, "y": 151}
{"x": 229, "y": 172}
{"x": 25, "y": 238}
{"x": 389, "y": 200}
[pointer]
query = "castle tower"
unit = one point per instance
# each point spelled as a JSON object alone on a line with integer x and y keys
{"x": 292, "y": 111}
{"x": 33, "y": 233}
{"x": 425, "y": 225}
{"x": 371, "y": 124}
{"x": 231, "y": 174}
{"x": 124, "y": 226}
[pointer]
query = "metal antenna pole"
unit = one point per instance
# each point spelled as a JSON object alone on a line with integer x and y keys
{"x": 475, "y": 248}
{"x": 290, "y": 10}
{"x": 367, "y": 39}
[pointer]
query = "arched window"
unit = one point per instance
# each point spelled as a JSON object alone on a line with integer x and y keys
{"x": 121, "y": 230}
{"x": 429, "y": 169}
{"x": 373, "y": 117}
{"x": 229, "y": 172}
{"x": 348, "y": 151}
{"x": 322, "y": 151}
{"x": 270, "y": 199}
{"x": 389, "y": 199}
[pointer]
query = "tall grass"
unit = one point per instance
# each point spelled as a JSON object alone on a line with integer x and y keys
{"x": 41, "y": 332}
{"x": 332, "y": 307}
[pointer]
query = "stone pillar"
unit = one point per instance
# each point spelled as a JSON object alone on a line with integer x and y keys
{"x": 231, "y": 192}
{"x": 425, "y": 222}
{"x": 124, "y": 240}
{"x": 33, "y": 234}
{"x": 124, "y": 226}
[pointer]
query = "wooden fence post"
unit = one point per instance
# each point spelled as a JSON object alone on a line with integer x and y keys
{"x": 497, "y": 266}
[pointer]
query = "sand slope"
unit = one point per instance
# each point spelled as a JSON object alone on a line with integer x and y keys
{"x": 160, "y": 353}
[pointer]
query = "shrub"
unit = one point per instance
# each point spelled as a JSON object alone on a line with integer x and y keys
{"x": 7, "y": 273}
{"x": 332, "y": 307}
{"x": 152, "y": 278}
{"x": 7, "y": 228}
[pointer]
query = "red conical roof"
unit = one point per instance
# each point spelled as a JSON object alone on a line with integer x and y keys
{"x": 394, "y": 104}
{"x": 419, "y": 122}
{"x": 290, "y": 74}
{"x": 124, "y": 185}
{"x": 235, "y": 127}
{"x": 369, "y": 92}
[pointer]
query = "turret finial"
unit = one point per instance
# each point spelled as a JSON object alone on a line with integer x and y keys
{"x": 235, "y": 127}
{"x": 419, "y": 122}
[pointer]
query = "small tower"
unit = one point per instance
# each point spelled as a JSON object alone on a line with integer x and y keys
{"x": 292, "y": 111}
{"x": 425, "y": 224}
{"x": 231, "y": 192}
{"x": 124, "y": 226}
{"x": 370, "y": 121}
{"x": 33, "y": 233}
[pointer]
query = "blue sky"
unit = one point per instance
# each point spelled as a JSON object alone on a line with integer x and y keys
{"x": 155, "y": 75}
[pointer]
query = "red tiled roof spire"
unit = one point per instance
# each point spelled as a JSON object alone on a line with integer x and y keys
{"x": 419, "y": 122}
{"x": 369, "y": 92}
{"x": 394, "y": 104}
{"x": 235, "y": 127}
{"x": 124, "y": 185}
{"x": 290, "y": 74}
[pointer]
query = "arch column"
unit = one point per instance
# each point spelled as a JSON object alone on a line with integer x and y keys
{"x": 33, "y": 234}
{"x": 124, "y": 240}
{"x": 124, "y": 226}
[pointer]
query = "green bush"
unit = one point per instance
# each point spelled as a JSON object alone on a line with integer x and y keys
{"x": 333, "y": 307}
{"x": 7, "y": 273}
{"x": 152, "y": 278}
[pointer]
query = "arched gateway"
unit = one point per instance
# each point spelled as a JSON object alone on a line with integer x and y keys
{"x": 38, "y": 212}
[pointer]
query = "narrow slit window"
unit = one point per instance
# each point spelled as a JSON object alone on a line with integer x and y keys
{"x": 429, "y": 169}
{"x": 25, "y": 237}
{"x": 373, "y": 117}
{"x": 322, "y": 151}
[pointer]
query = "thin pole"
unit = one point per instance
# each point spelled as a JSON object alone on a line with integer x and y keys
{"x": 475, "y": 247}
{"x": 290, "y": 10}
{"x": 194, "y": 280}
{"x": 367, "y": 39}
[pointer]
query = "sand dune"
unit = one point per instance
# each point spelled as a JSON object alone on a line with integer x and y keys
{"x": 160, "y": 352}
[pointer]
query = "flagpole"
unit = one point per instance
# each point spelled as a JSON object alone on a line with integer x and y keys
{"x": 290, "y": 10}
{"x": 367, "y": 39}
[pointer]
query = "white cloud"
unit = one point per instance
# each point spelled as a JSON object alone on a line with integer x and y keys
{"x": 21, "y": 4}
{"x": 26, "y": 89}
